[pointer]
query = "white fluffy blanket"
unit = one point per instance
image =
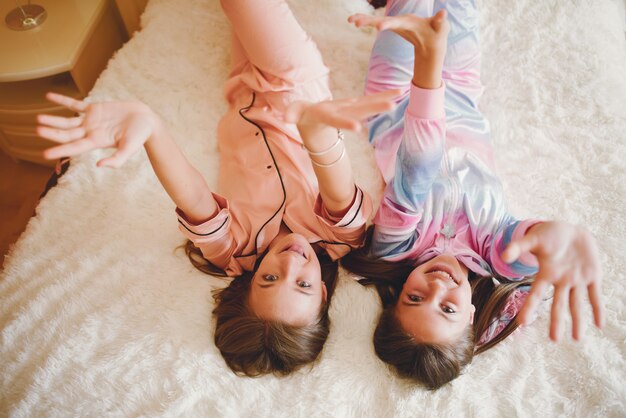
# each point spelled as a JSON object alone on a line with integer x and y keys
{"x": 100, "y": 316}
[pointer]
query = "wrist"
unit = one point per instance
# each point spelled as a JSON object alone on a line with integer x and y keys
{"x": 317, "y": 137}
{"x": 154, "y": 122}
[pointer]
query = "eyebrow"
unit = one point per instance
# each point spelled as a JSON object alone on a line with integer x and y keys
{"x": 440, "y": 312}
{"x": 296, "y": 288}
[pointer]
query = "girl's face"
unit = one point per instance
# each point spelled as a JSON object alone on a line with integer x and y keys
{"x": 435, "y": 305}
{"x": 288, "y": 285}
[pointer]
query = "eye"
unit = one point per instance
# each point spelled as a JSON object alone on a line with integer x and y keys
{"x": 447, "y": 309}
{"x": 270, "y": 277}
{"x": 304, "y": 284}
{"x": 415, "y": 298}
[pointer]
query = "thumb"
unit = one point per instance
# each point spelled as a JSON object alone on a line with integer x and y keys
{"x": 116, "y": 160}
{"x": 518, "y": 247}
{"x": 437, "y": 20}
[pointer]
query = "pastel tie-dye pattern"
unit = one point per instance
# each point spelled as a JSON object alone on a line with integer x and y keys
{"x": 435, "y": 153}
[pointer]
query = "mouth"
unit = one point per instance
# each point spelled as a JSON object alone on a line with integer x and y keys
{"x": 298, "y": 249}
{"x": 444, "y": 273}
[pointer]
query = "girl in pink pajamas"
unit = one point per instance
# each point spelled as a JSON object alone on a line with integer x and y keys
{"x": 445, "y": 254}
{"x": 287, "y": 206}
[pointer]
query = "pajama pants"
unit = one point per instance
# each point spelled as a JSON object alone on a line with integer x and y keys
{"x": 391, "y": 67}
{"x": 272, "y": 55}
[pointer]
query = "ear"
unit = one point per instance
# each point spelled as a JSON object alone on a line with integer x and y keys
{"x": 472, "y": 311}
{"x": 324, "y": 292}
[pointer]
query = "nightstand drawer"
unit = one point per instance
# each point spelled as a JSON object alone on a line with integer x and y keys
{"x": 66, "y": 54}
{"x": 23, "y": 142}
{"x": 21, "y": 101}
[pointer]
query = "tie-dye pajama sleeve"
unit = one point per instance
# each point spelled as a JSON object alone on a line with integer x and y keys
{"x": 418, "y": 163}
{"x": 525, "y": 266}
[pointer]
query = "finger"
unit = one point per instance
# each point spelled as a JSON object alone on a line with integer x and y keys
{"x": 362, "y": 20}
{"x": 575, "y": 308}
{"x": 387, "y": 96}
{"x": 357, "y": 17}
{"x": 69, "y": 150}
{"x": 360, "y": 111}
{"x": 348, "y": 101}
{"x": 438, "y": 19}
{"x": 70, "y": 103}
{"x": 595, "y": 298}
{"x": 382, "y": 97}
{"x": 535, "y": 296}
{"x": 557, "y": 315}
{"x": 340, "y": 121}
{"x": 59, "y": 121}
{"x": 117, "y": 159}
{"x": 61, "y": 135}
{"x": 395, "y": 24}
{"x": 517, "y": 247}
{"x": 366, "y": 106}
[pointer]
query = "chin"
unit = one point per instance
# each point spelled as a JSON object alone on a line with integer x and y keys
{"x": 294, "y": 238}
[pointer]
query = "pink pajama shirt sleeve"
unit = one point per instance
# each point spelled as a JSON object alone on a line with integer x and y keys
{"x": 349, "y": 228}
{"x": 214, "y": 236}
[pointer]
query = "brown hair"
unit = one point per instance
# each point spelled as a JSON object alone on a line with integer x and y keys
{"x": 432, "y": 365}
{"x": 253, "y": 346}
{"x": 378, "y": 3}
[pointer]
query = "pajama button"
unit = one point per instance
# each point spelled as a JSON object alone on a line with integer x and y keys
{"x": 447, "y": 231}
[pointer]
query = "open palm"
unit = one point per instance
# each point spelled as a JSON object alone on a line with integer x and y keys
{"x": 568, "y": 259}
{"x": 342, "y": 113}
{"x": 125, "y": 126}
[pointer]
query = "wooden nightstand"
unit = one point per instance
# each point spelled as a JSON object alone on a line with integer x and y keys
{"x": 66, "y": 54}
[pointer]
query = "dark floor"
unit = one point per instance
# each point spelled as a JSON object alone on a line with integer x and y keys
{"x": 21, "y": 183}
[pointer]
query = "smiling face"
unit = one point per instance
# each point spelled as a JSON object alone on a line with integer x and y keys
{"x": 288, "y": 286}
{"x": 435, "y": 305}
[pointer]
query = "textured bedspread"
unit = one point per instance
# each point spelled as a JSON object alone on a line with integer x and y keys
{"x": 101, "y": 316}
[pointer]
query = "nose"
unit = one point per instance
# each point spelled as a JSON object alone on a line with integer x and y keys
{"x": 437, "y": 289}
{"x": 291, "y": 267}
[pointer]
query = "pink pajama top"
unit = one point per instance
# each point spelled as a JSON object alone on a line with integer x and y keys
{"x": 266, "y": 176}
{"x": 442, "y": 195}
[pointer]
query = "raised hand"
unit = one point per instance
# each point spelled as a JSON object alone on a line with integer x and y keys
{"x": 568, "y": 260}
{"x": 341, "y": 114}
{"x": 122, "y": 125}
{"x": 318, "y": 124}
{"x": 426, "y": 33}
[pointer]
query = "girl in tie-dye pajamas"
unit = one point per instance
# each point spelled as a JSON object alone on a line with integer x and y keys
{"x": 445, "y": 254}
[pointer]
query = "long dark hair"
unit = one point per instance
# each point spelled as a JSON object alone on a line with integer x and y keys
{"x": 378, "y": 3}
{"x": 432, "y": 365}
{"x": 253, "y": 346}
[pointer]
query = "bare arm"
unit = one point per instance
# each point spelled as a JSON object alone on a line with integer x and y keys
{"x": 127, "y": 126}
{"x": 318, "y": 124}
{"x": 182, "y": 182}
{"x": 336, "y": 183}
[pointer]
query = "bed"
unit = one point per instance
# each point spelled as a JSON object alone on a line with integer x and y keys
{"x": 101, "y": 315}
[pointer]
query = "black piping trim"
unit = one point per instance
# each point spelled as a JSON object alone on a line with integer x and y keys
{"x": 280, "y": 177}
{"x": 204, "y": 235}
{"x": 333, "y": 243}
{"x": 358, "y": 209}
